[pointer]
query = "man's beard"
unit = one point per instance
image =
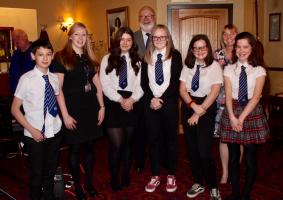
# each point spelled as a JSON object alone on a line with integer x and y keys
{"x": 147, "y": 27}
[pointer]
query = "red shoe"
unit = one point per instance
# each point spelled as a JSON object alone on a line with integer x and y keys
{"x": 171, "y": 183}
{"x": 152, "y": 184}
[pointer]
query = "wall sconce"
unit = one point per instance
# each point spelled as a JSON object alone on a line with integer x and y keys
{"x": 65, "y": 24}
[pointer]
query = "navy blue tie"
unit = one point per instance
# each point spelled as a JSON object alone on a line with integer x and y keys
{"x": 50, "y": 103}
{"x": 159, "y": 78}
{"x": 123, "y": 74}
{"x": 195, "y": 80}
{"x": 243, "y": 87}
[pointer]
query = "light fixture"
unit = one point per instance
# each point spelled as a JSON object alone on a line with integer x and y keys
{"x": 65, "y": 24}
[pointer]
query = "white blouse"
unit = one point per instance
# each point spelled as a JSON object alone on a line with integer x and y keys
{"x": 213, "y": 74}
{"x": 30, "y": 90}
{"x": 233, "y": 73}
{"x": 158, "y": 90}
{"x": 110, "y": 81}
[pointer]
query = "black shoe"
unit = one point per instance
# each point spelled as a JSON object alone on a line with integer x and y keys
{"x": 233, "y": 197}
{"x": 139, "y": 169}
{"x": 91, "y": 190}
{"x": 80, "y": 193}
{"x": 116, "y": 186}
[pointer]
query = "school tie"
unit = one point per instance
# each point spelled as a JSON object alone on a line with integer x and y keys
{"x": 50, "y": 103}
{"x": 243, "y": 87}
{"x": 147, "y": 40}
{"x": 195, "y": 80}
{"x": 123, "y": 74}
{"x": 159, "y": 79}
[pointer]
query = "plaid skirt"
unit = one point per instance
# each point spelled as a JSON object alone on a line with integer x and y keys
{"x": 255, "y": 128}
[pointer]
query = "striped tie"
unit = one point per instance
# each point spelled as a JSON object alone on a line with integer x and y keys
{"x": 50, "y": 103}
{"x": 243, "y": 87}
{"x": 195, "y": 80}
{"x": 123, "y": 74}
{"x": 159, "y": 79}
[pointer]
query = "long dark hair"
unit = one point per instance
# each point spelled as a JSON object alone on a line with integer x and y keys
{"x": 191, "y": 59}
{"x": 114, "y": 60}
{"x": 256, "y": 56}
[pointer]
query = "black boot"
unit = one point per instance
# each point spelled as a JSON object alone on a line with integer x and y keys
{"x": 91, "y": 190}
{"x": 115, "y": 185}
{"x": 125, "y": 181}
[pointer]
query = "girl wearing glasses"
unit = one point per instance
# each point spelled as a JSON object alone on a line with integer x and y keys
{"x": 200, "y": 84}
{"x": 243, "y": 121}
{"x": 120, "y": 78}
{"x": 160, "y": 82}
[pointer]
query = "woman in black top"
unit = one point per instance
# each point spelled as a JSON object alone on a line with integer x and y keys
{"x": 80, "y": 102}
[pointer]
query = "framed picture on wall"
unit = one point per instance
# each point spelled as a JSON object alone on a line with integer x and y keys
{"x": 274, "y": 27}
{"x": 116, "y": 18}
{"x": 6, "y": 44}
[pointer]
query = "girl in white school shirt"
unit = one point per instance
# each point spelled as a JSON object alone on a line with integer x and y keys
{"x": 243, "y": 121}
{"x": 200, "y": 84}
{"x": 160, "y": 82}
{"x": 120, "y": 78}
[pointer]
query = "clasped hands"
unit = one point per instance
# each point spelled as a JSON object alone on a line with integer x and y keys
{"x": 127, "y": 103}
{"x": 156, "y": 103}
{"x": 199, "y": 111}
{"x": 236, "y": 123}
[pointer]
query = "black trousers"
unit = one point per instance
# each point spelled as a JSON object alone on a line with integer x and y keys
{"x": 43, "y": 157}
{"x": 199, "y": 141}
{"x": 234, "y": 168}
{"x": 163, "y": 124}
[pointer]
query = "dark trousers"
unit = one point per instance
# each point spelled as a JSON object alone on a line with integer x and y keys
{"x": 43, "y": 157}
{"x": 234, "y": 168}
{"x": 162, "y": 123}
{"x": 87, "y": 161}
{"x": 199, "y": 141}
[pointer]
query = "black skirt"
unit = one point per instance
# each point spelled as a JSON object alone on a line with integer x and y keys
{"x": 116, "y": 116}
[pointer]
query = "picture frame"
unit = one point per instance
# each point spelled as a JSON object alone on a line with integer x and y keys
{"x": 6, "y": 44}
{"x": 116, "y": 18}
{"x": 275, "y": 27}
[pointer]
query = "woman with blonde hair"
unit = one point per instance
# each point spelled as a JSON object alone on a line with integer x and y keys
{"x": 81, "y": 103}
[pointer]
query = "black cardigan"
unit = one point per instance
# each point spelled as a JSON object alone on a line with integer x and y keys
{"x": 173, "y": 89}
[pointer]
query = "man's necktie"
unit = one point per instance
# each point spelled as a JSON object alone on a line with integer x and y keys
{"x": 159, "y": 78}
{"x": 147, "y": 40}
{"x": 243, "y": 87}
{"x": 123, "y": 74}
{"x": 50, "y": 103}
{"x": 195, "y": 80}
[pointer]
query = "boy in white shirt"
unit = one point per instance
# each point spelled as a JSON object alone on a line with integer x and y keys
{"x": 36, "y": 92}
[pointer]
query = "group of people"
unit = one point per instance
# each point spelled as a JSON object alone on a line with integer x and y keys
{"x": 135, "y": 93}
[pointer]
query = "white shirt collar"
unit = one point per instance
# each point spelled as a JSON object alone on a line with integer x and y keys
{"x": 163, "y": 51}
{"x": 40, "y": 73}
{"x": 127, "y": 55}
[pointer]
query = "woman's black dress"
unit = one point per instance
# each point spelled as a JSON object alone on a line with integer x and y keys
{"x": 82, "y": 106}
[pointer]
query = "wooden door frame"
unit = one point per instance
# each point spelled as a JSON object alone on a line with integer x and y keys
{"x": 172, "y": 7}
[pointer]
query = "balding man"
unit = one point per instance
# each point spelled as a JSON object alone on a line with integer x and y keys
{"x": 21, "y": 61}
{"x": 147, "y": 22}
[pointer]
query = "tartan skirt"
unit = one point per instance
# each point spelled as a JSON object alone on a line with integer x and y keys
{"x": 255, "y": 128}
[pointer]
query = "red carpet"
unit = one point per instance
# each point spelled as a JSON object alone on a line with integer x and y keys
{"x": 268, "y": 186}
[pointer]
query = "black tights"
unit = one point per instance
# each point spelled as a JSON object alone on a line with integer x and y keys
{"x": 120, "y": 149}
{"x": 234, "y": 168}
{"x": 87, "y": 161}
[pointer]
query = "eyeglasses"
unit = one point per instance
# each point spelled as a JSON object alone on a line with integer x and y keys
{"x": 146, "y": 16}
{"x": 197, "y": 49}
{"x": 160, "y": 38}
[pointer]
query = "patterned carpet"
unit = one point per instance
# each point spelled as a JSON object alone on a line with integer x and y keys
{"x": 268, "y": 186}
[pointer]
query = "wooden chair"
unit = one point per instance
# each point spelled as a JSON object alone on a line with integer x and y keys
{"x": 274, "y": 110}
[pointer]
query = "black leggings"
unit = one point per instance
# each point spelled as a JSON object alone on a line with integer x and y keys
{"x": 87, "y": 161}
{"x": 121, "y": 140}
